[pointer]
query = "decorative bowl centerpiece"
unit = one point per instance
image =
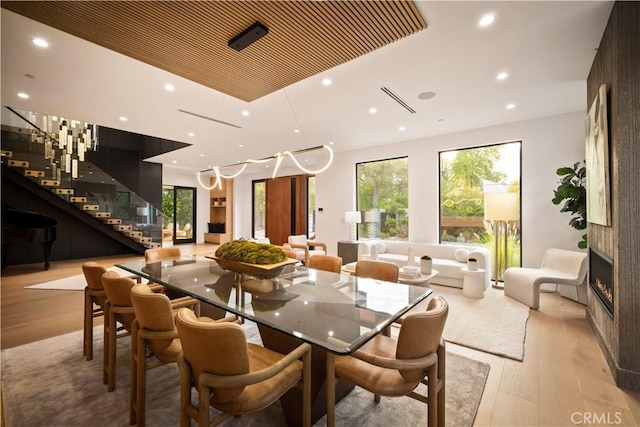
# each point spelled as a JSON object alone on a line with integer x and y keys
{"x": 260, "y": 260}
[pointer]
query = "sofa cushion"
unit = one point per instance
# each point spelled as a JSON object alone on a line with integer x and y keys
{"x": 462, "y": 255}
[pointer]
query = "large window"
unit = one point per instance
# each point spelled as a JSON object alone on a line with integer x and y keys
{"x": 259, "y": 207}
{"x": 383, "y": 199}
{"x": 480, "y": 200}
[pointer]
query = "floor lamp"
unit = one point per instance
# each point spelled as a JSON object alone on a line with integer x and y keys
{"x": 353, "y": 218}
{"x": 500, "y": 209}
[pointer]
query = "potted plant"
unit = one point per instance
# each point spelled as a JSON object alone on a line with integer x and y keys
{"x": 571, "y": 190}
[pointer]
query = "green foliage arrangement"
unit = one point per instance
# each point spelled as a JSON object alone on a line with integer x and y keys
{"x": 251, "y": 252}
{"x": 573, "y": 193}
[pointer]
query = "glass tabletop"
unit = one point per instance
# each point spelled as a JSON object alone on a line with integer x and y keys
{"x": 339, "y": 312}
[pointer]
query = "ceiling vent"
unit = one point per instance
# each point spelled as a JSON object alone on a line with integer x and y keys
{"x": 398, "y": 99}
{"x": 210, "y": 118}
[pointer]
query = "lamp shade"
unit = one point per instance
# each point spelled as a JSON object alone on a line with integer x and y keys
{"x": 502, "y": 206}
{"x": 352, "y": 217}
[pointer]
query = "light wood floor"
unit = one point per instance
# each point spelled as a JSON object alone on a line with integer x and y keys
{"x": 563, "y": 381}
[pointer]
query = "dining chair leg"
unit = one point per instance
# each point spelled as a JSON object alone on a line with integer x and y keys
{"x": 432, "y": 394}
{"x": 141, "y": 382}
{"x": 306, "y": 389}
{"x": 111, "y": 356}
{"x": 105, "y": 357}
{"x": 87, "y": 349}
{"x": 331, "y": 390}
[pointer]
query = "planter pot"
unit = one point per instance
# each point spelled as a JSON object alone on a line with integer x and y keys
{"x": 426, "y": 265}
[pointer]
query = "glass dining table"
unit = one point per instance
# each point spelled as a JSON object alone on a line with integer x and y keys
{"x": 333, "y": 312}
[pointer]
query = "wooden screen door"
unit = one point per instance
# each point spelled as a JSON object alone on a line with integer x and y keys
{"x": 286, "y": 208}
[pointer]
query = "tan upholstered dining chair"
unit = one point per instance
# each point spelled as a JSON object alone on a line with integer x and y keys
{"x": 173, "y": 252}
{"x": 395, "y": 367}
{"x": 326, "y": 263}
{"x": 154, "y": 340}
{"x": 379, "y": 270}
{"x": 118, "y": 309}
{"x": 231, "y": 375}
{"x": 94, "y": 300}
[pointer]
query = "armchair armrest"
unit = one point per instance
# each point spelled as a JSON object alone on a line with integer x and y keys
{"x": 320, "y": 244}
{"x": 226, "y": 381}
{"x": 385, "y": 362}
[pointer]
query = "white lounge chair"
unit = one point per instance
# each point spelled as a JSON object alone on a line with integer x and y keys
{"x": 559, "y": 266}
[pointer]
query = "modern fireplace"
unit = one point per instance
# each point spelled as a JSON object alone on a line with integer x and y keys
{"x": 601, "y": 278}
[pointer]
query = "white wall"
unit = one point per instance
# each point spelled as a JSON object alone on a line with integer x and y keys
{"x": 179, "y": 177}
{"x": 547, "y": 144}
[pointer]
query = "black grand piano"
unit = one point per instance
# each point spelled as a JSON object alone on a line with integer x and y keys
{"x": 27, "y": 227}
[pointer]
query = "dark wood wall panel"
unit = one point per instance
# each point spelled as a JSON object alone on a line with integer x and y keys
{"x": 286, "y": 207}
{"x": 617, "y": 64}
{"x": 278, "y": 209}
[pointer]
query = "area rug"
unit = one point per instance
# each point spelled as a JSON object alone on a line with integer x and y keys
{"x": 72, "y": 283}
{"x": 494, "y": 324}
{"x": 49, "y": 383}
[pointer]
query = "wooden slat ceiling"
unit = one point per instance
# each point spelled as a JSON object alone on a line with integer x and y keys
{"x": 189, "y": 38}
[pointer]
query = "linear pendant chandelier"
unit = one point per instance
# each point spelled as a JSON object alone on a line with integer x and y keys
{"x": 278, "y": 157}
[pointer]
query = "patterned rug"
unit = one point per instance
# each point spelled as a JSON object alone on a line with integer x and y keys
{"x": 50, "y": 383}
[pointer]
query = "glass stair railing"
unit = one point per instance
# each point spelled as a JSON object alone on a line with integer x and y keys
{"x": 36, "y": 154}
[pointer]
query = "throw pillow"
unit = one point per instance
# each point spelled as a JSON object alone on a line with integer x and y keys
{"x": 381, "y": 247}
{"x": 462, "y": 255}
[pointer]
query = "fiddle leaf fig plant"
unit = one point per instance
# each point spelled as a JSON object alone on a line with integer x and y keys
{"x": 572, "y": 194}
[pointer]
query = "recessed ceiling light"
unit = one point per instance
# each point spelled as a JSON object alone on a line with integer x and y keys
{"x": 201, "y": 155}
{"x": 40, "y": 42}
{"x": 402, "y": 128}
{"x": 240, "y": 145}
{"x": 296, "y": 131}
{"x": 511, "y": 106}
{"x": 23, "y": 95}
{"x": 326, "y": 82}
{"x": 245, "y": 113}
{"x": 441, "y": 120}
{"x": 373, "y": 110}
{"x": 503, "y": 75}
{"x": 123, "y": 119}
{"x": 331, "y": 142}
{"x": 169, "y": 87}
{"x": 191, "y": 134}
{"x": 30, "y": 76}
{"x": 426, "y": 95}
{"x": 487, "y": 20}
{"x": 174, "y": 161}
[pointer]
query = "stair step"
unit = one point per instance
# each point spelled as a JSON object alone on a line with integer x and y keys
{"x": 120, "y": 227}
{"x": 142, "y": 239}
{"x": 18, "y": 164}
{"x": 78, "y": 199}
{"x": 151, "y": 245}
{"x": 7, "y": 154}
{"x": 90, "y": 207}
{"x": 112, "y": 221}
{"x": 31, "y": 172}
{"x": 49, "y": 182}
{"x": 132, "y": 234}
{"x": 67, "y": 191}
{"x": 101, "y": 214}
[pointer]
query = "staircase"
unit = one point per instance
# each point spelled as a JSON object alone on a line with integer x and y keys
{"x": 31, "y": 163}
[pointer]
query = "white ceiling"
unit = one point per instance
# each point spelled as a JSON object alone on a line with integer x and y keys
{"x": 546, "y": 47}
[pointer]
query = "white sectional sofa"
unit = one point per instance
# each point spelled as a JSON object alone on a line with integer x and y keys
{"x": 448, "y": 259}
